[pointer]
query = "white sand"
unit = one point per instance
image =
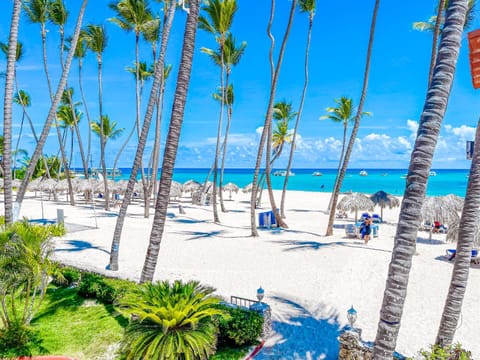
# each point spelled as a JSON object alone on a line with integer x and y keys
{"x": 310, "y": 280}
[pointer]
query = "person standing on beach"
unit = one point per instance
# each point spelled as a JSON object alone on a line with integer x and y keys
{"x": 366, "y": 230}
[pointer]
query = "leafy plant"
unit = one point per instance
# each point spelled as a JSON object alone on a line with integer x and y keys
{"x": 18, "y": 340}
{"x": 452, "y": 352}
{"x": 241, "y": 327}
{"x": 103, "y": 289}
{"x": 56, "y": 230}
{"x": 170, "y": 321}
{"x": 66, "y": 276}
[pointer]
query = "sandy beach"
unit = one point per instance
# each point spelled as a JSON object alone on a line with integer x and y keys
{"x": 310, "y": 280}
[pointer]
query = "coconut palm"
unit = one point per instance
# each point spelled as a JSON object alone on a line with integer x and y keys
{"x": 58, "y": 15}
{"x": 305, "y": 6}
{"x": 7, "y": 113}
{"x": 435, "y": 25}
{"x": 171, "y": 145}
{"x": 23, "y": 99}
{"x": 231, "y": 57}
{"x": 220, "y": 18}
{"x": 157, "y": 81}
{"x": 96, "y": 40}
{"x": 266, "y": 133}
{"x": 171, "y": 321}
{"x": 418, "y": 172}
{"x": 109, "y": 132}
{"x": 69, "y": 118}
{"x": 356, "y": 125}
{"x": 467, "y": 233}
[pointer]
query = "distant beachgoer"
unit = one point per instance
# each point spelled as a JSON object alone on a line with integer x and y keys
{"x": 366, "y": 230}
{"x": 323, "y": 186}
{"x": 436, "y": 226}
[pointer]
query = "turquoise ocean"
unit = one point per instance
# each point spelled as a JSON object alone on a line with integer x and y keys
{"x": 446, "y": 181}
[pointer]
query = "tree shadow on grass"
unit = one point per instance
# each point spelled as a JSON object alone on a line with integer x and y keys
{"x": 58, "y": 298}
{"x": 79, "y": 245}
{"x": 301, "y": 333}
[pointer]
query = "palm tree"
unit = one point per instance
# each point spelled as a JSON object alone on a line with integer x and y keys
{"x": 109, "y": 131}
{"x": 23, "y": 99}
{"x": 266, "y": 133}
{"x": 418, "y": 172}
{"x": 157, "y": 83}
{"x": 435, "y": 25}
{"x": 171, "y": 321}
{"x": 306, "y": 6}
{"x": 7, "y": 112}
{"x": 231, "y": 57}
{"x": 171, "y": 146}
{"x": 356, "y": 124}
{"x": 466, "y": 237}
{"x": 343, "y": 113}
{"x": 58, "y": 15}
{"x": 52, "y": 112}
{"x": 96, "y": 40}
{"x": 69, "y": 118}
{"x": 220, "y": 17}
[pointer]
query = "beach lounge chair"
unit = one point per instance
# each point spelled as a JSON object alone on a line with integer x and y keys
{"x": 452, "y": 252}
{"x": 376, "y": 218}
{"x": 341, "y": 215}
{"x": 351, "y": 230}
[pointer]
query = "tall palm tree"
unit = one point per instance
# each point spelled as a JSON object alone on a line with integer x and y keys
{"x": 171, "y": 321}
{"x": 418, "y": 172}
{"x": 52, "y": 112}
{"x": 134, "y": 15}
{"x": 69, "y": 117}
{"x": 306, "y": 6}
{"x": 343, "y": 113}
{"x": 356, "y": 124}
{"x": 157, "y": 83}
{"x": 266, "y": 133}
{"x": 466, "y": 237}
{"x": 23, "y": 99}
{"x": 96, "y": 40}
{"x": 435, "y": 25}
{"x": 58, "y": 15}
{"x": 109, "y": 131}
{"x": 7, "y": 112}
{"x": 231, "y": 57}
{"x": 80, "y": 53}
{"x": 171, "y": 146}
{"x": 220, "y": 18}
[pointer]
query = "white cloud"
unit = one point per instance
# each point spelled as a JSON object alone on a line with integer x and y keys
{"x": 464, "y": 131}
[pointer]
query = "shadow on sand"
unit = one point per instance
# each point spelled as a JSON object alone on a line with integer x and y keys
{"x": 299, "y": 333}
{"x": 80, "y": 245}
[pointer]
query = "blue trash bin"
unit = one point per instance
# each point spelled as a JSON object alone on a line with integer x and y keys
{"x": 266, "y": 219}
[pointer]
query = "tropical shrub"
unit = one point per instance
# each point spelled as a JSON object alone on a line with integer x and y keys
{"x": 56, "y": 230}
{"x": 452, "y": 352}
{"x": 66, "y": 276}
{"x": 241, "y": 327}
{"x": 18, "y": 340}
{"x": 25, "y": 268}
{"x": 170, "y": 321}
{"x": 104, "y": 289}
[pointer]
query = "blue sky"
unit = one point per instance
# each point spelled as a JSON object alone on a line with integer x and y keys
{"x": 396, "y": 91}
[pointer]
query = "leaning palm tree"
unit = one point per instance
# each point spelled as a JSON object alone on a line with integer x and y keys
{"x": 418, "y": 172}
{"x": 56, "y": 100}
{"x": 7, "y": 113}
{"x": 96, "y": 40}
{"x": 266, "y": 133}
{"x": 220, "y": 18}
{"x": 157, "y": 83}
{"x": 306, "y": 6}
{"x": 356, "y": 125}
{"x": 171, "y": 321}
{"x": 171, "y": 146}
{"x": 467, "y": 233}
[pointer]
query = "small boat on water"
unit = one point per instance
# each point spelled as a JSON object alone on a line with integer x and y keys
{"x": 432, "y": 173}
{"x": 317, "y": 173}
{"x": 363, "y": 173}
{"x": 283, "y": 173}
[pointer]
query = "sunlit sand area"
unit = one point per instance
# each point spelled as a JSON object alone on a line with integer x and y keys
{"x": 310, "y": 280}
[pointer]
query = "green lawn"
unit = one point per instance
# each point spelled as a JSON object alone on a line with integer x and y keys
{"x": 68, "y": 324}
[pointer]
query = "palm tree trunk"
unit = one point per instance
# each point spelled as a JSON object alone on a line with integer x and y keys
{"x": 89, "y": 141}
{"x": 340, "y": 164}
{"x": 466, "y": 237}
{"x": 274, "y": 74}
{"x": 114, "y": 252}
{"x": 103, "y": 140}
{"x": 53, "y": 108}
{"x": 224, "y": 154}
{"x": 17, "y": 145}
{"x": 418, "y": 172}
{"x": 7, "y": 112}
{"x": 356, "y": 125}
{"x": 171, "y": 146}
{"x": 436, "y": 32}
{"x": 299, "y": 115}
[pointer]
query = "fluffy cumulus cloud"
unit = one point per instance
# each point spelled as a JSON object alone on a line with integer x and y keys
{"x": 464, "y": 131}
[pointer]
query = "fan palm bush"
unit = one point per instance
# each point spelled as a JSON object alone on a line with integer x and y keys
{"x": 171, "y": 321}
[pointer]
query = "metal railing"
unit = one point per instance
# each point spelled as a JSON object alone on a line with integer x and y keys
{"x": 243, "y": 302}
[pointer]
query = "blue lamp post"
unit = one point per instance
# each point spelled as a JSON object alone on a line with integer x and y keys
{"x": 351, "y": 316}
{"x": 260, "y": 294}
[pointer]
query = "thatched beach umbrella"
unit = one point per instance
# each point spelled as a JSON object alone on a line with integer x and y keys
{"x": 355, "y": 202}
{"x": 444, "y": 209}
{"x": 383, "y": 199}
{"x": 191, "y": 186}
{"x": 231, "y": 187}
{"x": 248, "y": 188}
{"x": 176, "y": 189}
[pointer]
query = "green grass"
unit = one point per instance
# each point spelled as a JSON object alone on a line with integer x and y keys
{"x": 71, "y": 325}
{"x": 230, "y": 354}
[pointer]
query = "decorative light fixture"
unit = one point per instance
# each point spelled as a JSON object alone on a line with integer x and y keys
{"x": 260, "y": 293}
{"x": 352, "y": 316}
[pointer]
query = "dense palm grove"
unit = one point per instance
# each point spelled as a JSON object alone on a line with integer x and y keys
{"x": 214, "y": 17}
